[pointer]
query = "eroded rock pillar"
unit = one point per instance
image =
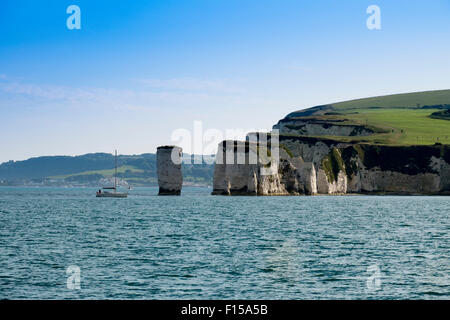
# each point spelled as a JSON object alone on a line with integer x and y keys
{"x": 170, "y": 177}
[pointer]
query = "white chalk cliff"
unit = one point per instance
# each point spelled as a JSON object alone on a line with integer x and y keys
{"x": 317, "y": 165}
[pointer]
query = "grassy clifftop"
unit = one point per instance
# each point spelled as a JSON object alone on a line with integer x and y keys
{"x": 418, "y": 118}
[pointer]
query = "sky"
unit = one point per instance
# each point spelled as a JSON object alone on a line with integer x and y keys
{"x": 139, "y": 73}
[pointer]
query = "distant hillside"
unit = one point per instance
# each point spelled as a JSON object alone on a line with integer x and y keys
{"x": 426, "y": 99}
{"x": 90, "y": 169}
{"x": 403, "y": 100}
{"x": 418, "y": 118}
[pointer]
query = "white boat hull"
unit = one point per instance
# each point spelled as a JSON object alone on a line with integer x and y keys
{"x": 111, "y": 195}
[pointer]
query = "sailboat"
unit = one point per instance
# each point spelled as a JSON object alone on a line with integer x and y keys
{"x": 105, "y": 193}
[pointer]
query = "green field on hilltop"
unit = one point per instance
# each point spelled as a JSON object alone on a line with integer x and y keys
{"x": 404, "y": 100}
{"x": 106, "y": 173}
{"x": 402, "y": 119}
{"x": 401, "y": 126}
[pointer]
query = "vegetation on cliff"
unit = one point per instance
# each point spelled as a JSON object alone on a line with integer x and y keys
{"x": 444, "y": 115}
{"x": 411, "y": 160}
{"x": 332, "y": 164}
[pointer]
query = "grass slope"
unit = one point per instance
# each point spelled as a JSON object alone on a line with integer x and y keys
{"x": 401, "y": 119}
{"x": 403, "y": 100}
{"x": 105, "y": 173}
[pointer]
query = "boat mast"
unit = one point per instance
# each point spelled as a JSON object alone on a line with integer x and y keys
{"x": 115, "y": 173}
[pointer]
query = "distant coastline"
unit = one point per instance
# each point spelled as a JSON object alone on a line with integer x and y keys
{"x": 92, "y": 170}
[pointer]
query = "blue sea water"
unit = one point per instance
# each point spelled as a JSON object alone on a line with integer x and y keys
{"x": 199, "y": 246}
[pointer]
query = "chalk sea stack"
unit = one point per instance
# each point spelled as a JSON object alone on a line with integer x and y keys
{"x": 170, "y": 178}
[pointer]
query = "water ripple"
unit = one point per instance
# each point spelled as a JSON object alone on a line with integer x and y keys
{"x": 199, "y": 246}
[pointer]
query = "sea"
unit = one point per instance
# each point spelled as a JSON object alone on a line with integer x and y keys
{"x": 64, "y": 243}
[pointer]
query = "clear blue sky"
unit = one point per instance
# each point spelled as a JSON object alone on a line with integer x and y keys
{"x": 138, "y": 70}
